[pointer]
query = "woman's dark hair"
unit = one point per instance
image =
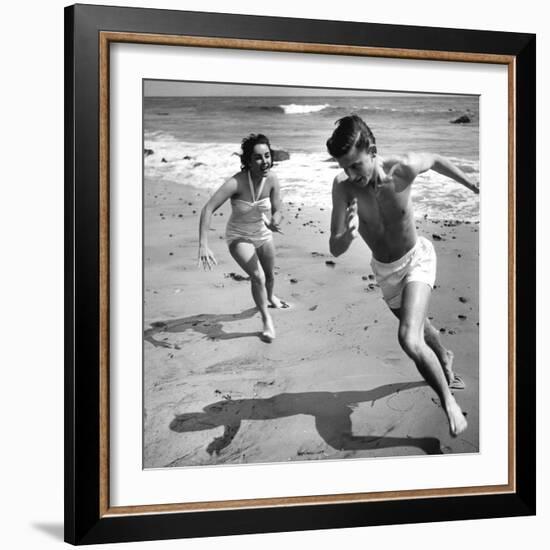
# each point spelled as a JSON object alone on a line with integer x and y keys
{"x": 247, "y": 148}
{"x": 350, "y": 131}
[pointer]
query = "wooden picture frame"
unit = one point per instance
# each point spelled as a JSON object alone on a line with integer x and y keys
{"x": 89, "y": 33}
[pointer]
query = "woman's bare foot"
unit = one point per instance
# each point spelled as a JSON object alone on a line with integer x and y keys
{"x": 277, "y": 303}
{"x": 268, "y": 333}
{"x": 457, "y": 421}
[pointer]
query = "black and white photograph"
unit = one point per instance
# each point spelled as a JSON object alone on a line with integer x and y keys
{"x": 310, "y": 274}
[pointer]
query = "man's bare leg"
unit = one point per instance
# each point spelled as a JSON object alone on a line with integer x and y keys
{"x": 445, "y": 356}
{"x": 414, "y": 305}
{"x": 433, "y": 339}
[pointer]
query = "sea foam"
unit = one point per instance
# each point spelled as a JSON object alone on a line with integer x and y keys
{"x": 305, "y": 178}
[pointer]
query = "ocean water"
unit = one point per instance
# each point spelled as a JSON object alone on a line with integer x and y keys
{"x": 196, "y": 140}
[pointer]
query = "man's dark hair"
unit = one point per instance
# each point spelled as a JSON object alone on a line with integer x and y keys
{"x": 247, "y": 148}
{"x": 350, "y": 131}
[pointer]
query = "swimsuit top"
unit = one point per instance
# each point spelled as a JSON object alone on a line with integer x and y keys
{"x": 250, "y": 212}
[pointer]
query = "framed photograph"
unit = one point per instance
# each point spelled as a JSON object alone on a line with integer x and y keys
{"x": 299, "y": 274}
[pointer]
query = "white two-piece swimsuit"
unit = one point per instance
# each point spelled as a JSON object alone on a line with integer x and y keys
{"x": 247, "y": 220}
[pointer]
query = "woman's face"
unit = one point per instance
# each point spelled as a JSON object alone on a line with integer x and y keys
{"x": 260, "y": 160}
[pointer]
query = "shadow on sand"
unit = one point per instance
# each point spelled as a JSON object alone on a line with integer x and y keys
{"x": 208, "y": 324}
{"x": 332, "y": 413}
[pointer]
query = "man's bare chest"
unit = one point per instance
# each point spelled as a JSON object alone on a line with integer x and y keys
{"x": 382, "y": 205}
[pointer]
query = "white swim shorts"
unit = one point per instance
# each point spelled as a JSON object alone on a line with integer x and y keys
{"x": 418, "y": 264}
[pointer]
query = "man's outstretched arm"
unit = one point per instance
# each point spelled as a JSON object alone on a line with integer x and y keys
{"x": 416, "y": 163}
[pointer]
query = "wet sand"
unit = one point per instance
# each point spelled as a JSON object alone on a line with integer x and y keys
{"x": 334, "y": 384}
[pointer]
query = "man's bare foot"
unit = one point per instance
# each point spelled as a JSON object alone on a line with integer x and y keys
{"x": 268, "y": 334}
{"x": 277, "y": 303}
{"x": 454, "y": 381}
{"x": 457, "y": 421}
{"x": 447, "y": 366}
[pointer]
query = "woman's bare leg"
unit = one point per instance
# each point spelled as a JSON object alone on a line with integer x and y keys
{"x": 266, "y": 255}
{"x": 245, "y": 255}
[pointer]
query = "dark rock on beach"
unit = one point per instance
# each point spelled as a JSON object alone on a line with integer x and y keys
{"x": 148, "y": 152}
{"x": 236, "y": 276}
{"x": 464, "y": 119}
{"x": 279, "y": 155}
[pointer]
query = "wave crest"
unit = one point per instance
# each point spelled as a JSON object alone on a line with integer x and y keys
{"x": 295, "y": 109}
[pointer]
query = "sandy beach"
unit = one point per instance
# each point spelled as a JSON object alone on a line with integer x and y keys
{"x": 334, "y": 384}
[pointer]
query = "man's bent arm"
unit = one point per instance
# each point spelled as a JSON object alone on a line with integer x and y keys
{"x": 340, "y": 235}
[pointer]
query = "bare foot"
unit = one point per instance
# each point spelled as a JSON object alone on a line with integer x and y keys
{"x": 457, "y": 421}
{"x": 275, "y": 302}
{"x": 454, "y": 381}
{"x": 268, "y": 334}
{"x": 447, "y": 366}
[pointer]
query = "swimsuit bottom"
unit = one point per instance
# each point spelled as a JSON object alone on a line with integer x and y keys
{"x": 418, "y": 264}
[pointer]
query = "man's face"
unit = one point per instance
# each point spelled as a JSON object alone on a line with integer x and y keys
{"x": 358, "y": 166}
